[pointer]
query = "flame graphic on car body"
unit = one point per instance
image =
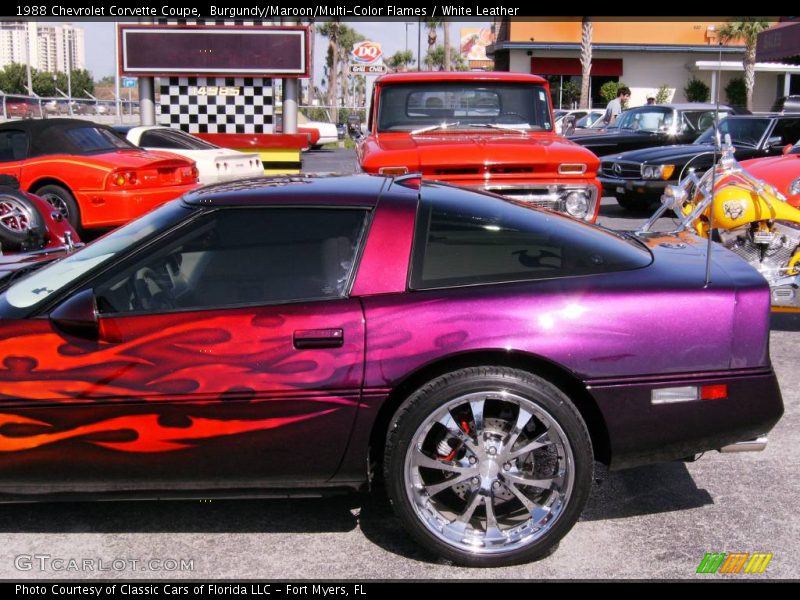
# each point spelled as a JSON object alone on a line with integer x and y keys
{"x": 150, "y": 434}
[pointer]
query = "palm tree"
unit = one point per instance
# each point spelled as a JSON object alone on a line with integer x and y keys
{"x": 331, "y": 31}
{"x": 400, "y": 59}
{"x": 747, "y": 30}
{"x": 432, "y": 25}
{"x": 586, "y": 61}
{"x": 446, "y": 30}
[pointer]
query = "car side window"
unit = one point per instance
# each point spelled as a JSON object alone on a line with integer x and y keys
{"x": 241, "y": 256}
{"x": 491, "y": 240}
{"x": 788, "y": 129}
{"x": 13, "y": 145}
{"x": 154, "y": 139}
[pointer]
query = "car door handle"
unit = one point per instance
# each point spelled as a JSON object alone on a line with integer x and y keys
{"x": 318, "y": 338}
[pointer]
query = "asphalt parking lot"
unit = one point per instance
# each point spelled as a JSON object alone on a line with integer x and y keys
{"x": 645, "y": 523}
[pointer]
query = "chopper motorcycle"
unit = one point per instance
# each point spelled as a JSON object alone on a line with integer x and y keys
{"x": 746, "y": 215}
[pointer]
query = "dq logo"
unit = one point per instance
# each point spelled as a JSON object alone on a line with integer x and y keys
{"x": 367, "y": 52}
{"x": 732, "y": 563}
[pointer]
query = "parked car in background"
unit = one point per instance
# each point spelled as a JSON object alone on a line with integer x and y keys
{"x": 487, "y": 130}
{"x": 483, "y": 354}
{"x": 341, "y": 130}
{"x": 649, "y": 126}
{"x": 88, "y": 173}
{"x": 787, "y": 104}
{"x": 328, "y": 133}
{"x": 213, "y": 163}
{"x": 582, "y": 118}
{"x": 21, "y": 107}
{"x": 638, "y": 178}
{"x": 783, "y": 172}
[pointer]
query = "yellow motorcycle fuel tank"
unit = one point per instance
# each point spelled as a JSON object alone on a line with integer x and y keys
{"x": 736, "y": 205}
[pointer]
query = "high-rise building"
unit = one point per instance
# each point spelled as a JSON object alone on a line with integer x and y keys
{"x": 50, "y": 48}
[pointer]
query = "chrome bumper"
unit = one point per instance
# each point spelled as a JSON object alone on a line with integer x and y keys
{"x": 756, "y": 445}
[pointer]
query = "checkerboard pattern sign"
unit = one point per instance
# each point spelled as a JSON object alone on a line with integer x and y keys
{"x": 217, "y": 104}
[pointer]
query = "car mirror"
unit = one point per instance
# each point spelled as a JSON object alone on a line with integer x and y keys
{"x": 775, "y": 141}
{"x": 787, "y": 148}
{"x": 77, "y": 316}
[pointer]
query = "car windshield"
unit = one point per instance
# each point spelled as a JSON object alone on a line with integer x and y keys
{"x": 588, "y": 120}
{"x": 654, "y": 119}
{"x": 746, "y": 132}
{"x": 422, "y": 107}
{"x": 42, "y": 284}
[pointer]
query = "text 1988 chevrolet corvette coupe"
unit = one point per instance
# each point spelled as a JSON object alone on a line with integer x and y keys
{"x": 276, "y": 334}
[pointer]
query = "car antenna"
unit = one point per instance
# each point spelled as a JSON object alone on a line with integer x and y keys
{"x": 717, "y": 144}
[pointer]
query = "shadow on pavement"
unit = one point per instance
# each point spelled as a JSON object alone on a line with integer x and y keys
{"x": 315, "y": 515}
{"x": 785, "y": 321}
{"x": 653, "y": 489}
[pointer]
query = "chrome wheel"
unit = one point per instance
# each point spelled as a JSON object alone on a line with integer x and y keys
{"x": 14, "y": 215}
{"x": 489, "y": 472}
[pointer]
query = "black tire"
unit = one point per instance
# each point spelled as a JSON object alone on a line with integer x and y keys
{"x": 63, "y": 201}
{"x": 21, "y": 225}
{"x": 425, "y": 500}
{"x": 637, "y": 203}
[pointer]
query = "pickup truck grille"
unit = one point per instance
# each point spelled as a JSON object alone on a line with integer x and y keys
{"x": 537, "y": 196}
{"x": 627, "y": 170}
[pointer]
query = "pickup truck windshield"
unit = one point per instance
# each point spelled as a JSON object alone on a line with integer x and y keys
{"x": 424, "y": 107}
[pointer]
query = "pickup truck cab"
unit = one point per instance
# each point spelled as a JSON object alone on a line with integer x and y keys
{"x": 486, "y": 130}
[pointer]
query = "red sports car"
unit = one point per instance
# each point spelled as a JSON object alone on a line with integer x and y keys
{"x": 781, "y": 171}
{"x": 94, "y": 178}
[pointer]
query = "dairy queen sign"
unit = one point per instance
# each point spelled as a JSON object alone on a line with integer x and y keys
{"x": 367, "y": 59}
{"x": 367, "y": 53}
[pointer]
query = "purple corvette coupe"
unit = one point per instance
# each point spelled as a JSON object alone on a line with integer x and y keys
{"x": 287, "y": 335}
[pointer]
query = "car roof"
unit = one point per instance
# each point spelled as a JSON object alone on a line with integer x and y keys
{"x": 687, "y": 106}
{"x": 317, "y": 190}
{"x": 47, "y": 135}
{"x": 440, "y": 76}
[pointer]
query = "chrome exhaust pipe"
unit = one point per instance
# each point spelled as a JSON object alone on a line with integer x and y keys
{"x": 756, "y": 445}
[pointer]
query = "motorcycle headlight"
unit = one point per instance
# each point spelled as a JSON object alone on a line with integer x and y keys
{"x": 794, "y": 187}
{"x": 577, "y": 204}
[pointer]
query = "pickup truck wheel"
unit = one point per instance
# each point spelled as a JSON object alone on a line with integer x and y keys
{"x": 488, "y": 466}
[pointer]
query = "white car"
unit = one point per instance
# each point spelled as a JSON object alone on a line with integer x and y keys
{"x": 214, "y": 163}
{"x": 583, "y": 118}
{"x": 327, "y": 131}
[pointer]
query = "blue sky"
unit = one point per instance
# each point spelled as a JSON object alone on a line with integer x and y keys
{"x": 99, "y": 36}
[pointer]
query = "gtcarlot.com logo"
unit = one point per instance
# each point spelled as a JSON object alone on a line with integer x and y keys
{"x": 46, "y": 562}
{"x": 734, "y": 563}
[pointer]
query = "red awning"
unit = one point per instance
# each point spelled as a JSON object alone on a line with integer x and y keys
{"x": 609, "y": 67}
{"x": 780, "y": 43}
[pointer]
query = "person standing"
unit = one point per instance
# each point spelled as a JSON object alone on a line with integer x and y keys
{"x": 614, "y": 108}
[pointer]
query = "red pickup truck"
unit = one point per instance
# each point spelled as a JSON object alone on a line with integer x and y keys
{"x": 488, "y": 130}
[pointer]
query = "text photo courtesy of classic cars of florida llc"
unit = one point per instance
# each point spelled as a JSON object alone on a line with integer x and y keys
{"x": 489, "y": 453}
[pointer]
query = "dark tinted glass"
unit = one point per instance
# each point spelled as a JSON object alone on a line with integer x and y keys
{"x": 788, "y": 130}
{"x": 13, "y": 146}
{"x": 91, "y": 139}
{"x": 747, "y": 132}
{"x": 162, "y": 138}
{"x": 465, "y": 238}
{"x": 237, "y": 256}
